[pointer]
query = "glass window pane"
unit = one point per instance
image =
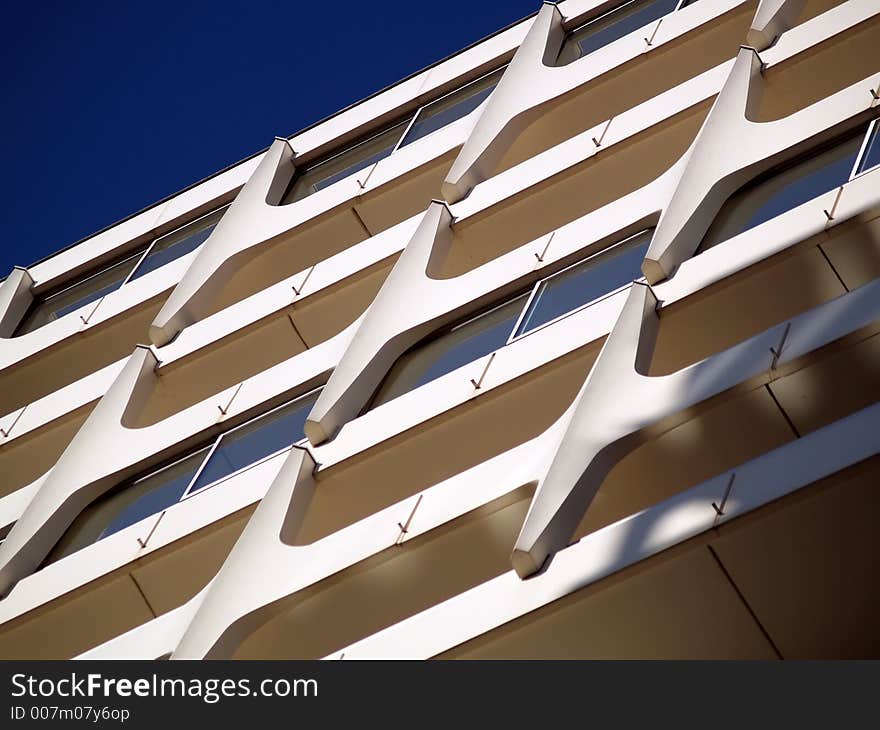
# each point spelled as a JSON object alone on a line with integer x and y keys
{"x": 463, "y": 344}
{"x": 256, "y": 440}
{"x": 771, "y": 196}
{"x": 585, "y": 282}
{"x": 178, "y": 243}
{"x": 453, "y": 106}
{"x": 77, "y": 295}
{"x": 326, "y": 172}
{"x": 155, "y": 492}
{"x": 613, "y": 25}
{"x": 871, "y": 158}
{"x": 129, "y": 504}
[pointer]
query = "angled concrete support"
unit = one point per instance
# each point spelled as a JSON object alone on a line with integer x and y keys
{"x": 253, "y": 575}
{"x": 510, "y": 108}
{"x": 210, "y": 270}
{"x": 772, "y": 19}
{"x": 731, "y": 150}
{"x": 619, "y": 407}
{"x": 15, "y": 298}
{"x": 708, "y": 178}
{"x": 401, "y": 314}
{"x": 86, "y": 469}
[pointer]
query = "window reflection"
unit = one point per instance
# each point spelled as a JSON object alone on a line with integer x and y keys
{"x": 777, "y": 192}
{"x": 462, "y": 344}
{"x": 871, "y": 154}
{"x": 614, "y": 24}
{"x": 254, "y": 441}
{"x": 359, "y": 156}
{"x": 161, "y": 251}
{"x": 452, "y": 107}
{"x": 233, "y": 451}
{"x": 585, "y": 282}
{"x": 551, "y": 298}
{"x": 340, "y": 165}
{"x": 176, "y": 244}
{"x": 78, "y": 295}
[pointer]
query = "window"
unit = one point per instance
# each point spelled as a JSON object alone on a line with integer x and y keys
{"x": 458, "y": 346}
{"x": 769, "y": 195}
{"x": 869, "y": 155}
{"x": 614, "y": 24}
{"x": 233, "y": 451}
{"x": 429, "y": 118}
{"x": 161, "y": 251}
{"x": 450, "y": 108}
{"x": 178, "y": 243}
{"x": 71, "y": 298}
{"x": 552, "y": 298}
{"x": 585, "y": 282}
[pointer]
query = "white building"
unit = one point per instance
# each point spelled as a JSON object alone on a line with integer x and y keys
{"x": 563, "y": 347}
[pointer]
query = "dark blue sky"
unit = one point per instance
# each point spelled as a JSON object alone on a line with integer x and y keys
{"x": 110, "y": 106}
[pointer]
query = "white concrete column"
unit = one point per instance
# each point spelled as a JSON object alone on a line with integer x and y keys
{"x": 256, "y": 572}
{"x": 93, "y": 462}
{"x": 510, "y": 108}
{"x": 211, "y": 268}
{"x": 15, "y": 298}
{"x": 717, "y": 164}
{"x": 731, "y": 150}
{"x": 402, "y": 313}
{"x": 617, "y": 409}
{"x": 772, "y": 19}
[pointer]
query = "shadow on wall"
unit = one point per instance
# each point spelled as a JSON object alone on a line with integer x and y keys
{"x": 815, "y": 548}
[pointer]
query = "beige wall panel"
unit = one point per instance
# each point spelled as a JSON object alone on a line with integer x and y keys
{"x": 678, "y": 605}
{"x": 404, "y": 197}
{"x": 32, "y": 455}
{"x": 76, "y": 622}
{"x": 854, "y": 250}
{"x": 840, "y": 382}
{"x": 808, "y": 566}
{"x": 113, "y": 604}
{"x": 446, "y": 445}
{"x": 819, "y": 72}
{"x": 235, "y": 358}
{"x": 741, "y": 306}
{"x": 81, "y": 355}
{"x": 576, "y": 191}
{"x": 394, "y": 584}
{"x": 316, "y": 240}
{"x": 812, "y": 8}
{"x": 178, "y": 572}
{"x": 327, "y": 313}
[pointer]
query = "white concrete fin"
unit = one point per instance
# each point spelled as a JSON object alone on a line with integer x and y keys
{"x": 402, "y": 313}
{"x": 86, "y": 469}
{"x": 192, "y": 297}
{"x": 505, "y": 114}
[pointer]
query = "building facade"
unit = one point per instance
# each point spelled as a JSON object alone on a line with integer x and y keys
{"x": 565, "y": 347}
